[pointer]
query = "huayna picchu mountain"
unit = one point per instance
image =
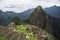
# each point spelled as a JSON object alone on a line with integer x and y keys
{"x": 40, "y": 18}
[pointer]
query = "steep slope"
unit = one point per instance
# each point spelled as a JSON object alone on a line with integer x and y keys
{"x": 56, "y": 27}
{"x": 54, "y": 11}
{"x": 40, "y": 18}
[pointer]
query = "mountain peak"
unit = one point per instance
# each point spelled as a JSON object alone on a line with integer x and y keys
{"x": 38, "y": 10}
{"x": 38, "y": 15}
{"x": 39, "y": 7}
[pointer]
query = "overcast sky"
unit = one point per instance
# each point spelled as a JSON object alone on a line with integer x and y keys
{"x": 21, "y": 5}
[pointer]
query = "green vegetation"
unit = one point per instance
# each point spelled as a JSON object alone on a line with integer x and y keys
{"x": 23, "y": 29}
{"x": 49, "y": 36}
{"x": 2, "y": 38}
{"x": 33, "y": 38}
{"x": 17, "y": 20}
{"x": 29, "y": 32}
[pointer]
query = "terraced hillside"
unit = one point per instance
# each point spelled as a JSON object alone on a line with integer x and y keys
{"x": 24, "y": 32}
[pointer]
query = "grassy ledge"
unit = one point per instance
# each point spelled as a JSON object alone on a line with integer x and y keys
{"x": 2, "y": 38}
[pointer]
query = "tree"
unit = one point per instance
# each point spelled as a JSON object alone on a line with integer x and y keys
{"x": 17, "y": 20}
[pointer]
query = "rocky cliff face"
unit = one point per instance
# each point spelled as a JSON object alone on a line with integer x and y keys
{"x": 40, "y": 18}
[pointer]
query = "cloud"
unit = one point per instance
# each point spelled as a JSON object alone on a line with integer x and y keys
{"x": 21, "y": 5}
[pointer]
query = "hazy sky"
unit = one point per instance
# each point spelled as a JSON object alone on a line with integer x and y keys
{"x": 21, "y": 5}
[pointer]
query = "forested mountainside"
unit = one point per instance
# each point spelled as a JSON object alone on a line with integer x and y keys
{"x": 40, "y": 18}
{"x": 6, "y": 17}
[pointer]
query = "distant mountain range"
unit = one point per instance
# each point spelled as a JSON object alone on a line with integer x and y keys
{"x": 53, "y": 11}
{"x": 12, "y": 14}
{"x": 6, "y": 17}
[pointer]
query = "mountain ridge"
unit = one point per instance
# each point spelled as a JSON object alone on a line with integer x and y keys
{"x": 6, "y": 17}
{"x": 53, "y": 11}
